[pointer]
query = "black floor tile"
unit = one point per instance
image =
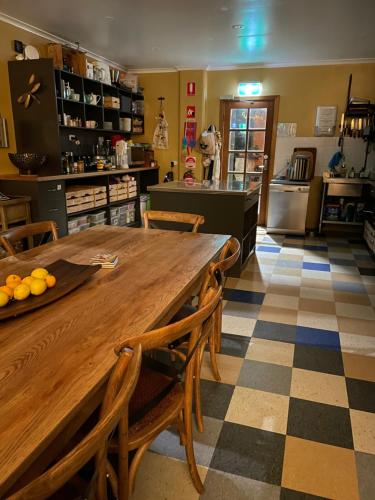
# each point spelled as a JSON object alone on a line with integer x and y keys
{"x": 234, "y": 345}
{"x": 265, "y": 377}
{"x": 243, "y": 296}
{"x": 343, "y": 262}
{"x": 275, "y": 331}
{"x": 366, "y": 271}
{"x": 286, "y": 494}
{"x": 316, "y": 248}
{"x": 318, "y": 359}
{"x": 215, "y": 398}
{"x": 320, "y": 422}
{"x": 249, "y": 452}
{"x": 361, "y": 394}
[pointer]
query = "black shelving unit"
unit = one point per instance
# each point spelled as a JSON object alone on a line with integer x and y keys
{"x": 41, "y": 129}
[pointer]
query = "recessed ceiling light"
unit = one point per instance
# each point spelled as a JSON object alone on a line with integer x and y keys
{"x": 155, "y": 49}
{"x": 224, "y": 8}
{"x": 109, "y": 18}
{"x": 238, "y": 26}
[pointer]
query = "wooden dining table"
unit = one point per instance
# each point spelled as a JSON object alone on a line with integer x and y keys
{"x": 54, "y": 359}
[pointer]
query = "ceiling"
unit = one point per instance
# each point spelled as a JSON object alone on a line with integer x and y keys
{"x": 199, "y": 33}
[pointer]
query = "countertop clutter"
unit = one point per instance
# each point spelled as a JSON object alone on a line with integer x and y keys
{"x": 208, "y": 187}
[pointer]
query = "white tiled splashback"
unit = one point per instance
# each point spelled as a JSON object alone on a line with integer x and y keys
{"x": 354, "y": 151}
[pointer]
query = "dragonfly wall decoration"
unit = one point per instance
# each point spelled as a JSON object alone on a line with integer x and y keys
{"x": 30, "y": 95}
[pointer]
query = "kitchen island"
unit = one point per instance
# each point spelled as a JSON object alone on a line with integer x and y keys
{"x": 227, "y": 207}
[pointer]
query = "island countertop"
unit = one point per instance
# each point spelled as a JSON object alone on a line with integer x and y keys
{"x": 208, "y": 187}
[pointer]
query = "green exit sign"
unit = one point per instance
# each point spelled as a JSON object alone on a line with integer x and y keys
{"x": 247, "y": 89}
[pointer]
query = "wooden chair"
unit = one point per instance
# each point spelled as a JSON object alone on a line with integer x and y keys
{"x": 178, "y": 217}
{"x": 214, "y": 277}
{"x": 18, "y": 233}
{"x": 161, "y": 398}
{"x": 113, "y": 413}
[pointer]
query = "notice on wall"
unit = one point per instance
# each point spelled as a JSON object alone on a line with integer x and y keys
{"x": 190, "y": 89}
{"x": 325, "y": 122}
{"x": 286, "y": 129}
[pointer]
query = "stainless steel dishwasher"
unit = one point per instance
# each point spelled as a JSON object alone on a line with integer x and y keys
{"x": 287, "y": 207}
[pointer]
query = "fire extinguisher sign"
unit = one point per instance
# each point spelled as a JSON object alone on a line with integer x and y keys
{"x": 190, "y": 89}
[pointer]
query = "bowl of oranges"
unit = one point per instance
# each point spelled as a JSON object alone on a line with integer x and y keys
{"x": 18, "y": 288}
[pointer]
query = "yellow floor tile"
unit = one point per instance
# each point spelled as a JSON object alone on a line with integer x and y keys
{"x": 363, "y": 428}
{"x": 271, "y": 351}
{"x": 360, "y": 367}
{"x": 355, "y": 311}
{"x": 229, "y": 368}
{"x": 248, "y": 285}
{"x": 356, "y": 326}
{"x": 320, "y": 469}
{"x": 316, "y": 320}
{"x": 317, "y": 306}
{"x": 286, "y": 271}
{"x": 351, "y": 278}
{"x": 284, "y": 301}
{"x": 352, "y": 298}
{"x": 259, "y": 409}
{"x": 283, "y": 289}
{"x": 317, "y": 293}
{"x": 278, "y": 315}
{"x": 165, "y": 478}
{"x": 319, "y": 387}
{"x": 316, "y": 283}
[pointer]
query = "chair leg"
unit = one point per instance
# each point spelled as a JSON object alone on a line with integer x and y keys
{"x": 218, "y": 325}
{"x": 181, "y": 428}
{"x": 190, "y": 457}
{"x": 197, "y": 389}
{"x": 213, "y": 360}
{"x": 133, "y": 469}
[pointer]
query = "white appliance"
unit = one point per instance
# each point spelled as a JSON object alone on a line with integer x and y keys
{"x": 287, "y": 207}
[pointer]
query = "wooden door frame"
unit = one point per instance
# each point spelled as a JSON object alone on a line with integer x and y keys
{"x": 275, "y": 99}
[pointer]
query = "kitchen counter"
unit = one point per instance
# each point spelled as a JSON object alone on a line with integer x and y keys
{"x": 227, "y": 208}
{"x": 85, "y": 175}
{"x": 208, "y": 187}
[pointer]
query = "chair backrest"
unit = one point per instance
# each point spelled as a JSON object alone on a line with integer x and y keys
{"x": 194, "y": 220}
{"x": 227, "y": 258}
{"x": 119, "y": 390}
{"x": 18, "y": 233}
{"x": 198, "y": 325}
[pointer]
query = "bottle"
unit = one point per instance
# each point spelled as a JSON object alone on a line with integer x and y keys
{"x": 65, "y": 164}
{"x": 351, "y": 173}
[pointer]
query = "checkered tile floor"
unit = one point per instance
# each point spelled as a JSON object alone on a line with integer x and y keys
{"x": 294, "y": 416}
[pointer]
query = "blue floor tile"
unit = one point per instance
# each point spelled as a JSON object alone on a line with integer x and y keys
{"x": 243, "y": 296}
{"x": 317, "y": 248}
{"x": 316, "y": 266}
{"x": 270, "y": 249}
{"x": 317, "y": 337}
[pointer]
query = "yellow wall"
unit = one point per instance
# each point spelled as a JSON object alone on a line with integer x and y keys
{"x": 162, "y": 85}
{"x": 8, "y": 33}
{"x": 300, "y": 89}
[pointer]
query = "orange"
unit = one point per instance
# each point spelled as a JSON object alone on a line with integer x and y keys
{"x": 13, "y": 280}
{"x": 27, "y": 281}
{"x": 38, "y": 286}
{"x": 8, "y": 290}
{"x": 21, "y": 292}
{"x": 4, "y": 299}
{"x": 50, "y": 280}
{"x": 39, "y": 272}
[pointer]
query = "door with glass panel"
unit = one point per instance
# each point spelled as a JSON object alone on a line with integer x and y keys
{"x": 247, "y": 128}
